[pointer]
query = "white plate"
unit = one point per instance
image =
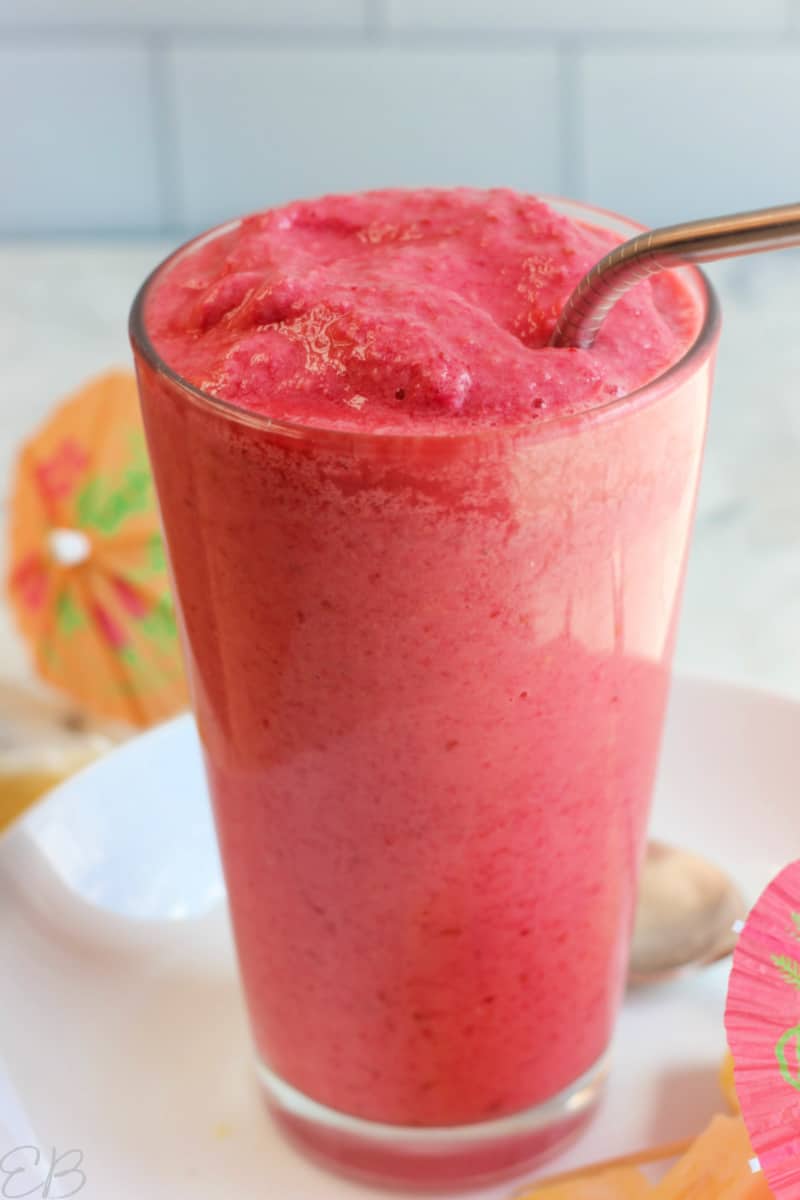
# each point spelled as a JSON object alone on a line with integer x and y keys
{"x": 123, "y": 1035}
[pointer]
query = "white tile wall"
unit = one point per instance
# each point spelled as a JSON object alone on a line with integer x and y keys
{"x": 255, "y": 127}
{"x": 169, "y": 114}
{"x": 183, "y": 14}
{"x": 586, "y": 16}
{"x": 77, "y": 144}
{"x": 690, "y": 134}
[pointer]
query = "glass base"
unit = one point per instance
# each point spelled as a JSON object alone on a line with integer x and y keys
{"x": 434, "y": 1158}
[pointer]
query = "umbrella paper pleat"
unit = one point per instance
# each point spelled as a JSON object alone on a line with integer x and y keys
{"x": 762, "y": 1020}
{"x": 86, "y": 660}
{"x": 145, "y": 623}
{"x": 88, "y": 579}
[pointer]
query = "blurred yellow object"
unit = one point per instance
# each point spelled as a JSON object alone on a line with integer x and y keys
{"x": 617, "y": 1183}
{"x": 42, "y": 741}
{"x": 30, "y": 772}
{"x": 727, "y": 1084}
{"x": 717, "y": 1166}
{"x": 713, "y": 1166}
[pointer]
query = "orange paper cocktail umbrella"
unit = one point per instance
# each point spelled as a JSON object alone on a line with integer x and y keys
{"x": 88, "y": 578}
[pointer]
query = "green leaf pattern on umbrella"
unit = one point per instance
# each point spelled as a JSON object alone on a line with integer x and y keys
{"x": 158, "y": 563}
{"x": 104, "y": 504}
{"x": 88, "y": 577}
{"x": 69, "y": 617}
{"x": 789, "y": 969}
{"x": 160, "y": 622}
{"x": 155, "y": 562}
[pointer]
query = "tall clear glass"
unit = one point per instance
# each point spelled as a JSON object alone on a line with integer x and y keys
{"x": 429, "y": 675}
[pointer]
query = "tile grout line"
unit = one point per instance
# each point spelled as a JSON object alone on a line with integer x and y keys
{"x": 604, "y": 41}
{"x": 319, "y": 35}
{"x": 165, "y": 137}
{"x": 570, "y": 120}
{"x": 375, "y": 19}
{"x": 375, "y": 26}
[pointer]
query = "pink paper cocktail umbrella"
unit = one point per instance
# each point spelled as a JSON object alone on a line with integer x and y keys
{"x": 762, "y": 1019}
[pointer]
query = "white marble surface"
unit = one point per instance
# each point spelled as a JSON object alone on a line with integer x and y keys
{"x": 63, "y": 316}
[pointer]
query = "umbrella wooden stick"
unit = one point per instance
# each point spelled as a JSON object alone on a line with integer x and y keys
{"x": 640, "y": 1158}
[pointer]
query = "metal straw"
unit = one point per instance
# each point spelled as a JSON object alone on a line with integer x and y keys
{"x": 674, "y": 245}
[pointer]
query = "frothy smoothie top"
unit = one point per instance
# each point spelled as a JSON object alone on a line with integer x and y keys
{"x": 405, "y": 309}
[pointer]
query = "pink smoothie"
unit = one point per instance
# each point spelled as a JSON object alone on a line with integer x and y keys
{"x": 429, "y": 614}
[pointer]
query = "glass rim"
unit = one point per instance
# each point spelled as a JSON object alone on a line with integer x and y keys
{"x": 692, "y": 358}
